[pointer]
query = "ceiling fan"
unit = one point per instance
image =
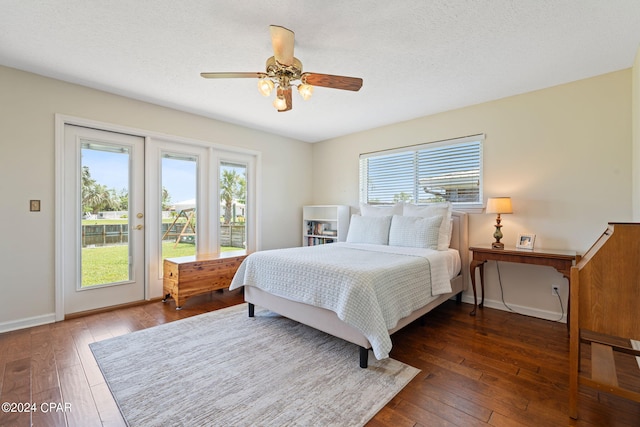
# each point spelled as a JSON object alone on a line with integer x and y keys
{"x": 283, "y": 71}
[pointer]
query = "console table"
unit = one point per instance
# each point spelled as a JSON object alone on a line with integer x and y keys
{"x": 188, "y": 276}
{"x": 561, "y": 260}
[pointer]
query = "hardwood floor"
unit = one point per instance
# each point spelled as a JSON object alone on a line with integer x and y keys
{"x": 498, "y": 369}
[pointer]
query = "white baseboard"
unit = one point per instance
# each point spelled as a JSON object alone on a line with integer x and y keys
{"x": 28, "y": 322}
{"x": 527, "y": 311}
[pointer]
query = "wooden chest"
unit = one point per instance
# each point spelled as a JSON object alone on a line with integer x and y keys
{"x": 187, "y": 276}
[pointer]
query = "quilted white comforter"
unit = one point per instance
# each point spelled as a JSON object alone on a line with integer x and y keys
{"x": 370, "y": 287}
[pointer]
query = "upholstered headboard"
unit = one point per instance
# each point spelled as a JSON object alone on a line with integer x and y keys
{"x": 460, "y": 241}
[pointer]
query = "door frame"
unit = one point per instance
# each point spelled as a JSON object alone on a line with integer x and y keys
{"x": 254, "y": 191}
{"x": 60, "y": 225}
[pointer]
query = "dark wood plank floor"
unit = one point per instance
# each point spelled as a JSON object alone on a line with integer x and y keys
{"x": 498, "y": 369}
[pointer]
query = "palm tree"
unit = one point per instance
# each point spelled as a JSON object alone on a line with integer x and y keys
{"x": 232, "y": 187}
{"x": 97, "y": 197}
{"x": 100, "y": 198}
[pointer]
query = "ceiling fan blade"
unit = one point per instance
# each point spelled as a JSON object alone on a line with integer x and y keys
{"x": 231, "y": 75}
{"x": 334, "y": 82}
{"x": 282, "y": 41}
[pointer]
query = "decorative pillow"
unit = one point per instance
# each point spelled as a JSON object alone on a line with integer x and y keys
{"x": 430, "y": 210}
{"x": 414, "y": 231}
{"x": 369, "y": 229}
{"x": 380, "y": 210}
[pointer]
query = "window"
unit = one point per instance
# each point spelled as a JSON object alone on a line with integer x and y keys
{"x": 448, "y": 170}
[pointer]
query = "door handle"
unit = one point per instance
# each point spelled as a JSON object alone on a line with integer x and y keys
{"x": 138, "y": 227}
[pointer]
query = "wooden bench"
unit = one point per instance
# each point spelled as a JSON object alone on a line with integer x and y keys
{"x": 188, "y": 276}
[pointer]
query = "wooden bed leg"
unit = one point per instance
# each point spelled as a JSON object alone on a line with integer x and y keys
{"x": 364, "y": 358}
{"x": 252, "y": 310}
{"x": 459, "y": 298}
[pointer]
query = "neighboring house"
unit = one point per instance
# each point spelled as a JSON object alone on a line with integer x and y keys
{"x": 564, "y": 154}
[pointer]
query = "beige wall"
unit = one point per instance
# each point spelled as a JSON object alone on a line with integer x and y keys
{"x": 563, "y": 154}
{"x": 28, "y": 104}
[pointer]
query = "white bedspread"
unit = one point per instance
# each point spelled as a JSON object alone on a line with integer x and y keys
{"x": 370, "y": 287}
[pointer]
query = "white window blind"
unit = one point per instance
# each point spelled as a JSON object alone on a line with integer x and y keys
{"x": 448, "y": 170}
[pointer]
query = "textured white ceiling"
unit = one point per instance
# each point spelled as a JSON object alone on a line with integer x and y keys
{"x": 416, "y": 57}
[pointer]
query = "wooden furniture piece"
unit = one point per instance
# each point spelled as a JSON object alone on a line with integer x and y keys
{"x": 324, "y": 224}
{"x": 327, "y": 321}
{"x": 561, "y": 260}
{"x": 188, "y": 276}
{"x": 605, "y": 307}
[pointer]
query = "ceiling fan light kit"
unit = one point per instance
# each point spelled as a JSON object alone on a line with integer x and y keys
{"x": 284, "y": 71}
{"x": 305, "y": 91}
{"x": 265, "y": 86}
{"x": 280, "y": 102}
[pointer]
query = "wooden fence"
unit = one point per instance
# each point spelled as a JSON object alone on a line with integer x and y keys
{"x": 113, "y": 234}
{"x": 232, "y": 235}
{"x": 105, "y": 234}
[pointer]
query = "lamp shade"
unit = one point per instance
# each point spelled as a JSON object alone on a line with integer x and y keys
{"x": 499, "y": 205}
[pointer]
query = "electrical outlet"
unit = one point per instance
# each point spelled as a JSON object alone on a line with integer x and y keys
{"x": 555, "y": 290}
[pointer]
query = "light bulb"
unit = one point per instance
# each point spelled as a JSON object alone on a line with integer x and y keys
{"x": 305, "y": 91}
{"x": 265, "y": 86}
{"x": 280, "y": 104}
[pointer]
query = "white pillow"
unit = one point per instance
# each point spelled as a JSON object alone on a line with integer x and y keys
{"x": 430, "y": 210}
{"x": 380, "y": 210}
{"x": 414, "y": 231}
{"x": 369, "y": 229}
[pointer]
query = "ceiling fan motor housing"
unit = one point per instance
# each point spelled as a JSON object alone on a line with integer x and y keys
{"x": 282, "y": 72}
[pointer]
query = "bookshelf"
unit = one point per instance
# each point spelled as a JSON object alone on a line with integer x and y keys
{"x": 324, "y": 224}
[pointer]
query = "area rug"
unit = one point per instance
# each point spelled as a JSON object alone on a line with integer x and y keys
{"x": 226, "y": 369}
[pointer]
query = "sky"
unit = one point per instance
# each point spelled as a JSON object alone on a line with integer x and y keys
{"x": 179, "y": 178}
{"x": 110, "y": 169}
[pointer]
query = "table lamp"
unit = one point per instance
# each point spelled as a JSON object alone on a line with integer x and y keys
{"x": 498, "y": 205}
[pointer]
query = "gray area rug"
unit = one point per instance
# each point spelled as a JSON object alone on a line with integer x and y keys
{"x": 226, "y": 369}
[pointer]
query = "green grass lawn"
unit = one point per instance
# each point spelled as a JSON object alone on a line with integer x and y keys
{"x": 108, "y": 264}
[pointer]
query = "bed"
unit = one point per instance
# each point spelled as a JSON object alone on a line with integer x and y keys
{"x": 281, "y": 281}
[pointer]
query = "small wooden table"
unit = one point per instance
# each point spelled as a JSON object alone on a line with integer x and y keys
{"x": 561, "y": 260}
{"x": 188, "y": 276}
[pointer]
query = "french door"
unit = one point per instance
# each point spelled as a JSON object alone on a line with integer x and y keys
{"x": 104, "y": 219}
{"x": 180, "y": 214}
{"x": 126, "y": 202}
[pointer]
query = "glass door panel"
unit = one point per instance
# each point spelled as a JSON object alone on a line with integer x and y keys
{"x": 105, "y": 180}
{"x": 233, "y": 206}
{"x": 179, "y": 205}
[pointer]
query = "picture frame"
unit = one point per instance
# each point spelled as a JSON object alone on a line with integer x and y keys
{"x": 525, "y": 241}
